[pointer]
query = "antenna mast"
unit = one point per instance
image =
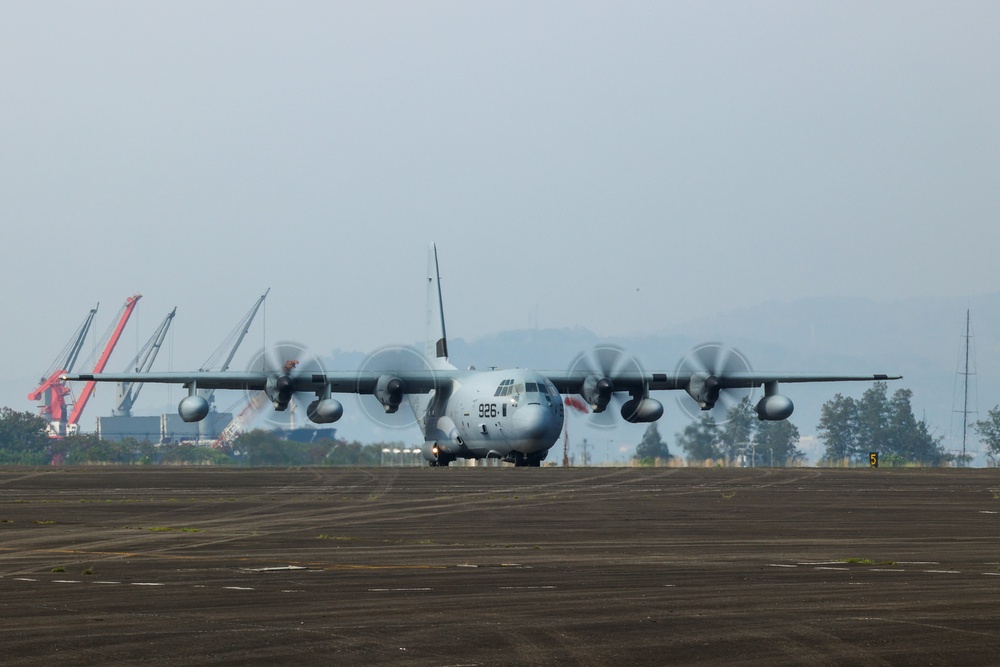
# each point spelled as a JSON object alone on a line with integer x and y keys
{"x": 965, "y": 404}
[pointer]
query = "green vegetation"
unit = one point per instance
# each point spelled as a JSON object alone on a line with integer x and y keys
{"x": 851, "y": 429}
{"x": 700, "y": 439}
{"x": 989, "y": 430}
{"x": 651, "y": 448}
{"x": 23, "y": 441}
{"x": 743, "y": 436}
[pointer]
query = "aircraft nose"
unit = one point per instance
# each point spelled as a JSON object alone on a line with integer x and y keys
{"x": 531, "y": 422}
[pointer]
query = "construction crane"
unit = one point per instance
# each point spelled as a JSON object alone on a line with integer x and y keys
{"x": 240, "y": 423}
{"x": 73, "y": 421}
{"x": 253, "y": 408}
{"x": 128, "y": 392}
{"x": 51, "y": 393}
{"x": 232, "y": 342}
{"x": 229, "y": 346}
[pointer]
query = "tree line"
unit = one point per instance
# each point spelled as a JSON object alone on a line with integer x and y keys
{"x": 24, "y": 441}
{"x": 850, "y": 429}
{"x": 741, "y": 439}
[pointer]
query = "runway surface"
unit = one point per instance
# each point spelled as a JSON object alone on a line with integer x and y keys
{"x": 499, "y": 566}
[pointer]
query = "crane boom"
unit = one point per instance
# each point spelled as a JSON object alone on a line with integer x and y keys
{"x": 72, "y": 423}
{"x": 239, "y": 333}
{"x": 52, "y": 391}
{"x": 232, "y": 342}
{"x": 241, "y": 421}
{"x": 77, "y": 345}
{"x": 128, "y": 392}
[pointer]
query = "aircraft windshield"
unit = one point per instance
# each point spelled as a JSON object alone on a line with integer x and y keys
{"x": 505, "y": 388}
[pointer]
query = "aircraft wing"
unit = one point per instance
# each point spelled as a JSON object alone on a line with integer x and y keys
{"x": 344, "y": 382}
{"x": 573, "y": 383}
{"x": 705, "y": 388}
{"x": 388, "y": 387}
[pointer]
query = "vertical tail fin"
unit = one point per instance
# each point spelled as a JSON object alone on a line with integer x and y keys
{"x": 436, "y": 342}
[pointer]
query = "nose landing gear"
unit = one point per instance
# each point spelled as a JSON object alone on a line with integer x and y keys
{"x": 442, "y": 459}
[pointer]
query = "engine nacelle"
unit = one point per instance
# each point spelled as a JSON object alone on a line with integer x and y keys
{"x": 704, "y": 389}
{"x": 597, "y": 392}
{"x": 774, "y": 408}
{"x": 193, "y": 408}
{"x": 325, "y": 411}
{"x": 279, "y": 388}
{"x": 389, "y": 391}
{"x": 641, "y": 410}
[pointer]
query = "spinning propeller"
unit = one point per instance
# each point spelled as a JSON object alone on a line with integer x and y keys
{"x": 278, "y": 360}
{"x": 705, "y": 365}
{"x": 602, "y": 364}
{"x": 383, "y": 407}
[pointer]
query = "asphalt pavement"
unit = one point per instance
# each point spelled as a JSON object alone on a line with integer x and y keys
{"x": 499, "y": 566}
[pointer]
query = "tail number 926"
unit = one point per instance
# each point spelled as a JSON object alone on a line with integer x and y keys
{"x": 487, "y": 410}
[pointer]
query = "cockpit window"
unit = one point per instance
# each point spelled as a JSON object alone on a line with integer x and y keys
{"x": 531, "y": 387}
{"x": 504, "y": 388}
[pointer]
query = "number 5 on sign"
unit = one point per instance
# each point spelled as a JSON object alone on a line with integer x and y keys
{"x": 873, "y": 459}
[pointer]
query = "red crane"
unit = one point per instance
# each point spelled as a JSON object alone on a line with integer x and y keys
{"x": 72, "y": 424}
{"x": 54, "y": 391}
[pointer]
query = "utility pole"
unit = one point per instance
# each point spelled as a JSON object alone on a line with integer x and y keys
{"x": 965, "y": 403}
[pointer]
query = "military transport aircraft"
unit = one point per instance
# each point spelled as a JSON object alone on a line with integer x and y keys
{"x": 515, "y": 415}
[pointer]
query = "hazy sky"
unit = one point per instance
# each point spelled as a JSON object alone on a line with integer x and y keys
{"x": 619, "y": 166}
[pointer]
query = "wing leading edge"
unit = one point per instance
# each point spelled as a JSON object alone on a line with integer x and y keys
{"x": 705, "y": 388}
{"x": 342, "y": 382}
{"x": 424, "y": 381}
{"x": 573, "y": 383}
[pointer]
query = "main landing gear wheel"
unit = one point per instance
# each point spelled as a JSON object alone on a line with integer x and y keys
{"x": 527, "y": 460}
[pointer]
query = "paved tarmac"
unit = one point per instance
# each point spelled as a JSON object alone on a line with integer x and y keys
{"x": 499, "y": 566}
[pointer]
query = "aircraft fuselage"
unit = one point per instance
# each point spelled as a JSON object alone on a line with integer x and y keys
{"x": 515, "y": 415}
